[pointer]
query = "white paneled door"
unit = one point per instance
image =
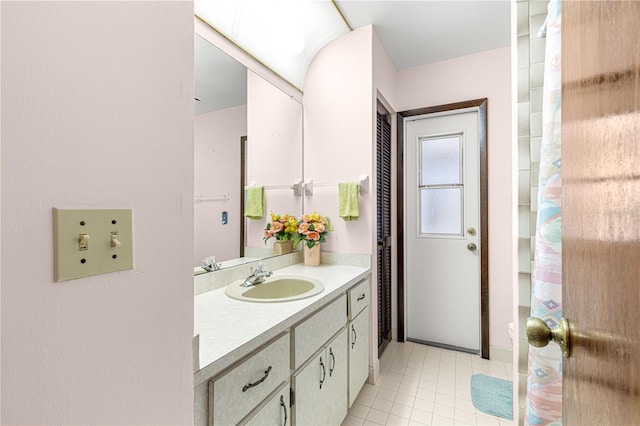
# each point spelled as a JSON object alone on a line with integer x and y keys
{"x": 442, "y": 235}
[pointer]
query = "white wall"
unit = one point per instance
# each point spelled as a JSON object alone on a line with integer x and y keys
{"x": 217, "y": 172}
{"x": 97, "y": 111}
{"x": 486, "y": 74}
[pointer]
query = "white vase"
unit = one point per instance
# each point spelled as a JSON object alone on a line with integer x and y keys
{"x": 312, "y": 255}
{"x": 282, "y": 247}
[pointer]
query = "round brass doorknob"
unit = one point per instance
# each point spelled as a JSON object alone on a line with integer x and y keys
{"x": 540, "y": 334}
{"x": 471, "y": 247}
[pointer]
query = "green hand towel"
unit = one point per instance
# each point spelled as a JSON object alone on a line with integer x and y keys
{"x": 348, "y": 208}
{"x": 254, "y": 208}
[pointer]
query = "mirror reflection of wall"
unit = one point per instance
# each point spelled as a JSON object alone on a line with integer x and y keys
{"x": 274, "y": 154}
{"x": 232, "y": 102}
{"x": 220, "y": 123}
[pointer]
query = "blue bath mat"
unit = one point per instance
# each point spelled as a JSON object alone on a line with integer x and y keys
{"x": 492, "y": 396}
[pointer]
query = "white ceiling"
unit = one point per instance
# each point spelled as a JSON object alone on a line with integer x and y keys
{"x": 220, "y": 81}
{"x": 422, "y": 32}
{"x": 414, "y": 33}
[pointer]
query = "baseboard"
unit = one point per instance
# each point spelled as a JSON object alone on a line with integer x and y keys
{"x": 497, "y": 353}
{"x": 394, "y": 334}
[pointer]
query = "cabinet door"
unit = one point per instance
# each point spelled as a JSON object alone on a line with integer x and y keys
{"x": 358, "y": 353}
{"x": 309, "y": 384}
{"x": 337, "y": 379}
{"x": 275, "y": 412}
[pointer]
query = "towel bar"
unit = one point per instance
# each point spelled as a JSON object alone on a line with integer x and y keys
{"x": 363, "y": 185}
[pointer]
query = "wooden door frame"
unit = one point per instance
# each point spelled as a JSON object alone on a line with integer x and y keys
{"x": 481, "y": 104}
{"x": 243, "y": 184}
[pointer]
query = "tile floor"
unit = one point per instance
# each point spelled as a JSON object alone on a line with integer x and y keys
{"x": 424, "y": 385}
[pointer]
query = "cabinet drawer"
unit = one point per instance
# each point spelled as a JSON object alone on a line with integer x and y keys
{"x": 358, "y": 298}
{"x": 314, "y": 332}
{"x": 238, "y": 391}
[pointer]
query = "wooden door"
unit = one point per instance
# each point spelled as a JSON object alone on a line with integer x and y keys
{"x": 601, "y": 211}
{"x": 383, "y": 229}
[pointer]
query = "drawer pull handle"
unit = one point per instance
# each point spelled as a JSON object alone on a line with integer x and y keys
{"x": 333, "y": 364}
{"x": 360, "y": 297}
{"x": 284, "y": 408}
{"x": 355, "y": 336}
{"x": 250, "y": 385}
{"x": 324, "y": 373}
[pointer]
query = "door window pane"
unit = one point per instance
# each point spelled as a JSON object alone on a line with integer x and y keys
{"x": 441, "y": 211}
{"x": 440, "y": 161}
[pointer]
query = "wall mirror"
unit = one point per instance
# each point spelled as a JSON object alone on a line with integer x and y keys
{"x": 247, "y": 132}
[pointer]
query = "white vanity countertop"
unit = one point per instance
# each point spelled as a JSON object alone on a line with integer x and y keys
{"x": 230, "y": 329}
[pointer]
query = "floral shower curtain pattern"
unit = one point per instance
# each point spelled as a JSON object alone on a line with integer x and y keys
{"x": 544, "y": 382}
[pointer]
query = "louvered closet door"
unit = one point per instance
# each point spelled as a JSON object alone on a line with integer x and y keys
{"x": 383, "y": 171}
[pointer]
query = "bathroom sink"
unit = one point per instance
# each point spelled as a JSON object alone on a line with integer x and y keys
{"x": 276, "y": 289}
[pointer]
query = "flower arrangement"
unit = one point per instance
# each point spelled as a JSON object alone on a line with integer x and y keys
{"x": 312, "y": 229}
{"x": 282, "y": 228}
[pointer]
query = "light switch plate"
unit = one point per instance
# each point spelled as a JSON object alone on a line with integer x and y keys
{"x": 102, "y": 253}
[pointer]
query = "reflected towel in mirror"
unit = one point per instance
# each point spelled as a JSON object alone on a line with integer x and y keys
{"x": 254, "y": 208}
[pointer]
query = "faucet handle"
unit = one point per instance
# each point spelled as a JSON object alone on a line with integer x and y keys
{"x": 262, "y": 267}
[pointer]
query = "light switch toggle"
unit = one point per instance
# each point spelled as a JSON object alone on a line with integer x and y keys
{"x": 83, "y": 242}
{"x": 114, "y": 240}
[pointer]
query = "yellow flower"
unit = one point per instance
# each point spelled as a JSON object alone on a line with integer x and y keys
{"x": 291, "y": 226}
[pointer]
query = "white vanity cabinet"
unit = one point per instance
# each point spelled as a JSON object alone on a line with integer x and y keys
{"x": 234, "y": 394}
{"x": 358, "y": 329}
{"x": 320, "y": 386}
{"x": 308, "y": 373}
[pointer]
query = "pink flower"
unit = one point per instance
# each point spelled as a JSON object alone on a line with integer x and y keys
{"x": 268, "y": 233}
{"x": 318, "y": 226}
{"x": 276, "y": 227}
{"x": 303, "y": 228}
{"x": 313, "y": 235}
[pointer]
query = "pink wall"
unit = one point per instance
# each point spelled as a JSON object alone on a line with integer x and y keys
{"x": 217, "y": 172}
{"x": 340, "y": 93}
{"x": 486, "y": 74}
{"x": 338, "y": 135}
{"x": 97, "y": 112}
{"x": 274, "y": 150}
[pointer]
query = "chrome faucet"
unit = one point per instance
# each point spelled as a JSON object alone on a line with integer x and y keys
{"x": 257, "y": 275}
{"x": 209, "y": 264}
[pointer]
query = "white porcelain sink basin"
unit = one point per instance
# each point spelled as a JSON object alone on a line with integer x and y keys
{"x": 276, "y": 289}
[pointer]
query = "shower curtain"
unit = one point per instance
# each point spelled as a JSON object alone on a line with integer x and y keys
{"x": 544, "y": 383}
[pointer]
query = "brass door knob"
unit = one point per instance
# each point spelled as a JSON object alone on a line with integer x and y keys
{"x": 471, "y": 247}
{"x": 540, "y": 334}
